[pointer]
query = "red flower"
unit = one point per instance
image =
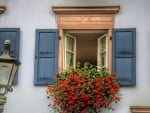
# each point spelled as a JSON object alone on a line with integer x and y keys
{"x": 117, "y": 85}
{"x": 62, "y": 112}
{"x": 97, "y": 83}
{"x": 84, "y": 96}
{"x": 112, "y": 91}
{"x": 83, "y": 111}
{"x": 74, "y": 97}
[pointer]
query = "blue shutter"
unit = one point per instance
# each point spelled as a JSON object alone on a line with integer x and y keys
{"x": 46, "y": 50}
{"x": 12, "y": 34}
{"x": 124, "y": 55}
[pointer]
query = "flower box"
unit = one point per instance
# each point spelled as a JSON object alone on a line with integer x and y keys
{"x": 84, "y": 89}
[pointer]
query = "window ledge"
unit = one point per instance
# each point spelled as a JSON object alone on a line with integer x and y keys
{"x": 2, "y": 9}
{"x": 140, "y": 109}
{"x": 86, "y": 10}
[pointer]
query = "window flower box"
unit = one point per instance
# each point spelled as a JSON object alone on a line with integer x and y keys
{"x": 84, "y": 89}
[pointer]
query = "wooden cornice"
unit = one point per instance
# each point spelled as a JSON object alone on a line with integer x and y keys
{"x": 140, "y": 109}
{"x": 86, "y": 10}
{"x": 2, "y": 9}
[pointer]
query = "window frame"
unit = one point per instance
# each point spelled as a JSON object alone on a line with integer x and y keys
{"x": 103, "y": 51}
{"x": 73, "y": 52}
{"x": 103, "y": 33}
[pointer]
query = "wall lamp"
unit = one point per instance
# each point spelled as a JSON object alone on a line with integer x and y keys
{"x": 8, "y": 69}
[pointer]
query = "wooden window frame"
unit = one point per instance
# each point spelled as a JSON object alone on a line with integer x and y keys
{"x": 101, "y": 52}
{"x": 73, "y": 51}
{"x": 84, "y": 18}
{"x": 140, "y": 109}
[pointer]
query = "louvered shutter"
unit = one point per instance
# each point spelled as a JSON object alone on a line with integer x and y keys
{"x": 12, "y": 34}
{"x": 124, "y": 55}
{"x": 46, "y": 50}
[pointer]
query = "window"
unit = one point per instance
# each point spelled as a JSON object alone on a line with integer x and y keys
{"x": 86, "y": 46}
{"x": 92, "y": 46}
{"x": 97, "y": 18}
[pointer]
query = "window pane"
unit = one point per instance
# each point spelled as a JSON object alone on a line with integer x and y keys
{"x": 69, "y": 59}
{"x": 103, "y": 44}
{"x": 70, "y": 44}
{"x": 103, "y": 60}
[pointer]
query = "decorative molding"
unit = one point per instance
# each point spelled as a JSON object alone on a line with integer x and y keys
{"x": 85, "y": 21}
{"x": 96, "y": 17}
{"x": 2, "y": 9}
{"x": 140, "y": 109}
{"x": 86, "y": 10}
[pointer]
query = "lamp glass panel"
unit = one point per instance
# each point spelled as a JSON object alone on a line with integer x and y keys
{"x": 5, "y": 71}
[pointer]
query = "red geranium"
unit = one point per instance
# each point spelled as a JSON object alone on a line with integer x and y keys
{"x": 79, "y": 88}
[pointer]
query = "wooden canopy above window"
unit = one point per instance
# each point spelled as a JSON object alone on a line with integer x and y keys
{"x": 86, "y": 10}
{"x": 2, "y": 9}
{"x": 140, "y": 109}
{"x": 95, "y": 17}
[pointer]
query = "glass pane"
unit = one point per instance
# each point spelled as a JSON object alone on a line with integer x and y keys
{"x": 103, "y": 44}
{"x": 70, "y": 44}
{"x": 103, "y": 59}
{"x": 5, "y": 70}
{"x": 69, "y": 59}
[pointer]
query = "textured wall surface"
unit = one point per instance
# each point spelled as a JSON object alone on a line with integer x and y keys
{"x": 29, "y": 15}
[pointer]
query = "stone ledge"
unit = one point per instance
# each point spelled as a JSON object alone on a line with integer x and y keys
{"x": 140, "y": 109}
{"x": 2, "y": 9}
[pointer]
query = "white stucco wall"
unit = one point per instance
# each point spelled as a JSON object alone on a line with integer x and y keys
{"x": 29, "y": 15}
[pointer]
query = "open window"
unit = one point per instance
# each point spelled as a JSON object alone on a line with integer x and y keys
{"x": 91, "y": 26}
{"x": 94, "y": 18}
{"x": 86, "y": 46}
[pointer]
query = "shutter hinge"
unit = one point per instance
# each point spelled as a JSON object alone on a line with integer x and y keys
{"x": 110, "y": 37}
{"x": 59, "y": 37}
